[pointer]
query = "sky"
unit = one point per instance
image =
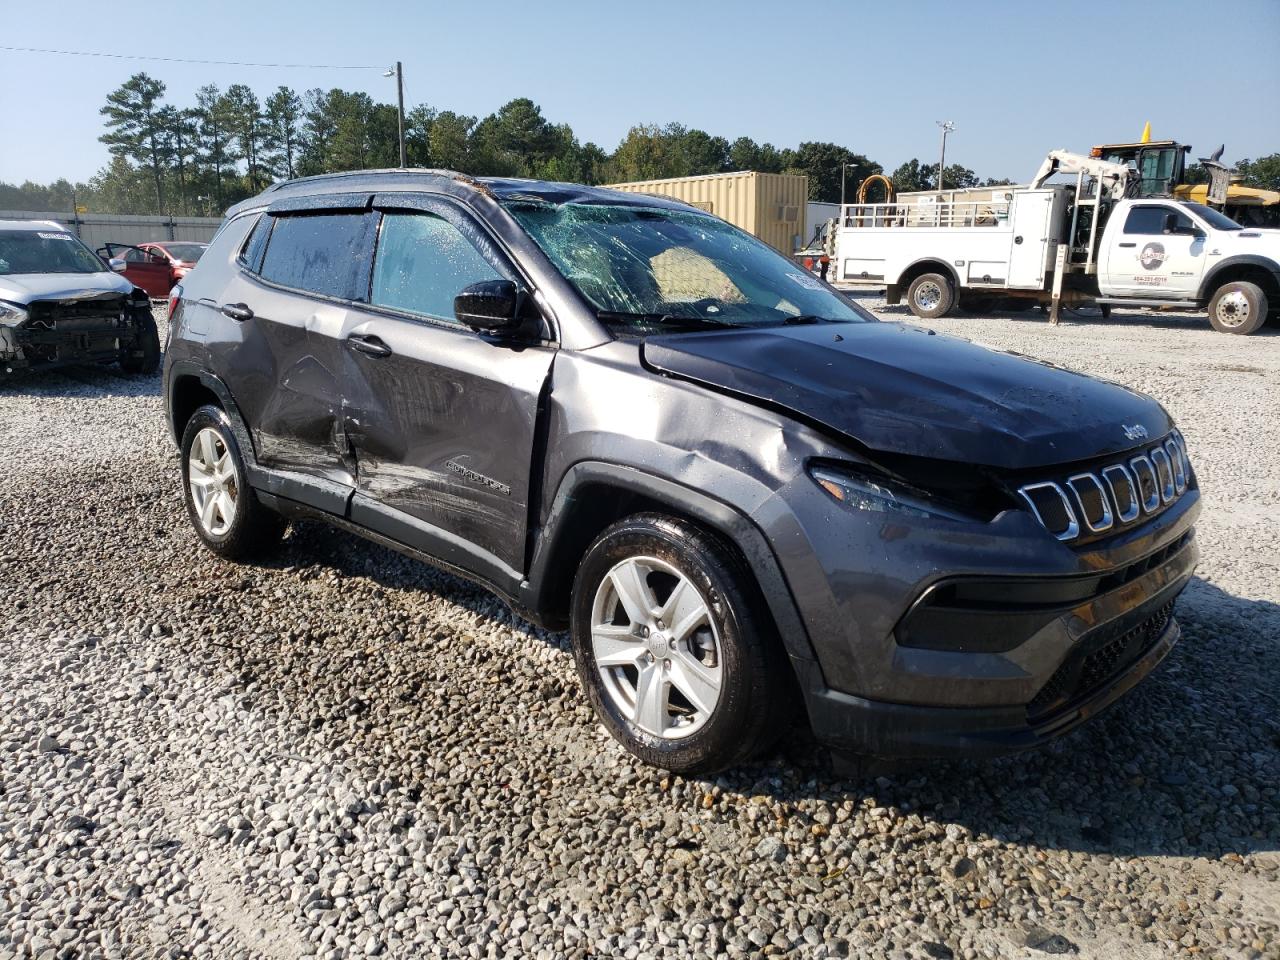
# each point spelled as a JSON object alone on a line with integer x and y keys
{"x": 1017, "y": 78}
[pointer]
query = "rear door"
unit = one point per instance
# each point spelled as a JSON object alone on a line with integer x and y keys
{"x": 289, "y": 302}
{"x": 1148, "y": 261}
{"x": 442, "y": 420}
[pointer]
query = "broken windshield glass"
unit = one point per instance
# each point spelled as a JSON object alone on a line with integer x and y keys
{"x": 645, "y": 269}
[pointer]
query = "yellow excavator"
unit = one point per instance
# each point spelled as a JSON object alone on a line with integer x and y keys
{"x": 1160, "y": 166}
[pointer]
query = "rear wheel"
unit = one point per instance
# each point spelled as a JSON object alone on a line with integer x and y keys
{"x": 930, "y": 296}
{"x": 223, "y": 509}
{"x": 677, "y": 658}
{"x": 1238, "y": 307}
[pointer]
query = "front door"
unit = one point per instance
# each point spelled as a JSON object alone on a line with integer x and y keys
{"x": 442, "y": 420}
{"x": 1156, "y": 256}
{"x": 142, "y": 268}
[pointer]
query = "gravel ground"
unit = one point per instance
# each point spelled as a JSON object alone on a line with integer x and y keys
{"x": 342, "y": 753}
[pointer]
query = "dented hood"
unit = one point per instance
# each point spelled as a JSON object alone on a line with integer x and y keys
{"x": 900, "y": 389}
{"x": 24, "y": 288}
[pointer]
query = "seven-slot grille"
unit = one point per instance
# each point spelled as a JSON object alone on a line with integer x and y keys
{"x": 1092, "y": 502}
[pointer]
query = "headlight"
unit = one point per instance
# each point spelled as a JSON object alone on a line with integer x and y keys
{"x": 875, "y": 496}
{"x": 11, "y": 314}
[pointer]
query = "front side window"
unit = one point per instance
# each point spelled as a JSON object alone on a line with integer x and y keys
{"x": 648, "y": 270}
{"x": 320, "y": 253}
{"x": 1149, "y": 221}
{"x": 422, "y": 263}
{"x": 45, "y": 251}
{"x": 1215, "y": 219}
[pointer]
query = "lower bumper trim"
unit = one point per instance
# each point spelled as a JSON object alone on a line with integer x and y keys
{"x": 893, "y": 730}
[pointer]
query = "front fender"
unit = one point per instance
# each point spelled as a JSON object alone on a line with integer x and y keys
{"x": 1210, "y": 282}
{"x": 729, "y": 522}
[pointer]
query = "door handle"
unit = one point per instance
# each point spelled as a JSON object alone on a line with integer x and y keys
{"x": 239, "y": 312}
{"x": 369, "y": 345}
{"x": 1128, "y": 244}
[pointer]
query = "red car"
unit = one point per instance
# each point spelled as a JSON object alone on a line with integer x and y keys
{"x": 156, "y": 266}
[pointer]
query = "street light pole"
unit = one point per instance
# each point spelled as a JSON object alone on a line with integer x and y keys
{"x": 398, "y": 73}
{"x": 947, "y": 126}
{"x": 404, "y": 162}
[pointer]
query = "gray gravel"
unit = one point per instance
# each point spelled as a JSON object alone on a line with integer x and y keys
{"x": 342, "y": 753}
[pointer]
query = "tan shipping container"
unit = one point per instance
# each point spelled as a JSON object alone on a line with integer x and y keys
{"x": 770, "y": 206}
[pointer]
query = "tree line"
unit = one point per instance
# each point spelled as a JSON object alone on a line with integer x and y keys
{"x": 229, "y": 144}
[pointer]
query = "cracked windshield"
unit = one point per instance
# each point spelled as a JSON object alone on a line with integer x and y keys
{"x": 650, "y": 270}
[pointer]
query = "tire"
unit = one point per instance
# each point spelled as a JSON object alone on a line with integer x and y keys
{"x": 1238, "y": 307}
{"x": 251, "y": 529}
{"x": 143, "y": 356}
{"x": 730, "y": 661}
{"x": 930, "y": 296}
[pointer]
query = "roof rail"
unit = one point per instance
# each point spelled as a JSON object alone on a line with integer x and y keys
{"x": 339, "y": 175}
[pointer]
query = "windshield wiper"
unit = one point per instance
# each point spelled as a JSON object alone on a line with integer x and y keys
{"x": 804, "y": 318}
{"x": 623, "y": 317}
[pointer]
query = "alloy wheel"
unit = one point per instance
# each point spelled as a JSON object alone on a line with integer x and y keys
{"x": 656, "y": 647}
{"x": 928, "y": 295}
{"x": 1233, "y": 309}
{"x": 214, "y": 486}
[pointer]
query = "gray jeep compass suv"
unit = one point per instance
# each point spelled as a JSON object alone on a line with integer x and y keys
{"x": 733, "y": 486}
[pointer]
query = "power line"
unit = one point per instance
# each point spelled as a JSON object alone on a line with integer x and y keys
{"x": 220, "y": 63}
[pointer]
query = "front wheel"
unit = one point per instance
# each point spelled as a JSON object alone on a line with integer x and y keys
{"x": 1238, "y": 307}
{"x": 676, "y": 656}
{"x": 930, "y": 296}
{"x": 143, "y": 355}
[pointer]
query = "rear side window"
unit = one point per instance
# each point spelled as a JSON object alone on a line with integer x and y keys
{"x": 251, "y": 255}
{"x": 320, "y": 253}
{"x": 423, "y": 262}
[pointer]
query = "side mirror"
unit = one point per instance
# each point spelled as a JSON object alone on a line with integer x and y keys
{"x": 492, "y": 305}
{"x": 118, "y": 265}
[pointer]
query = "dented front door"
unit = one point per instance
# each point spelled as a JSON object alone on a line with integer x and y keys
{"x": 442, "y": 420}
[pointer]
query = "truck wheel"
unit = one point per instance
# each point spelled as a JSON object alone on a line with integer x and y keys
{"x": 676, "y": 656}
{"x": 143, "y": 355}
{"x": 1238, "y": 307}
{"x": 930, "y": 296}
{"x": 223, "y": 508}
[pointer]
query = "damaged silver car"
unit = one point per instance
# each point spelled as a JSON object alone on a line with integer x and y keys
{"x": 60, "y": 304}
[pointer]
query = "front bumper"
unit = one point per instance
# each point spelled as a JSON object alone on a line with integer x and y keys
{"x": 987, "y": 671}
{"x": 877, "y": 728}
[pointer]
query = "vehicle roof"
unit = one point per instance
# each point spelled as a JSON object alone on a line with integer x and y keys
{"x": 33, "y": 225}
{"x": 499, "y": 188}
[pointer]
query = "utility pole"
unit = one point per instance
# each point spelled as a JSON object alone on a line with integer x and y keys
{"x": 398, "y": 73}
{"x": 844, "y": 169}
{"x": 947, "y": 126}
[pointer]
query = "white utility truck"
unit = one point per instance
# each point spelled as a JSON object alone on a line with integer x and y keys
{"x": 1087, "y": 242}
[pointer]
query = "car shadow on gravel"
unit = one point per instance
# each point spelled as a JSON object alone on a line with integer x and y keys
{"x": 87, "y": 381}
{"x": 1188, "y": 764}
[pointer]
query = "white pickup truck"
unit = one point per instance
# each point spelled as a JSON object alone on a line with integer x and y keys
{"x": 1082, "y": 243}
